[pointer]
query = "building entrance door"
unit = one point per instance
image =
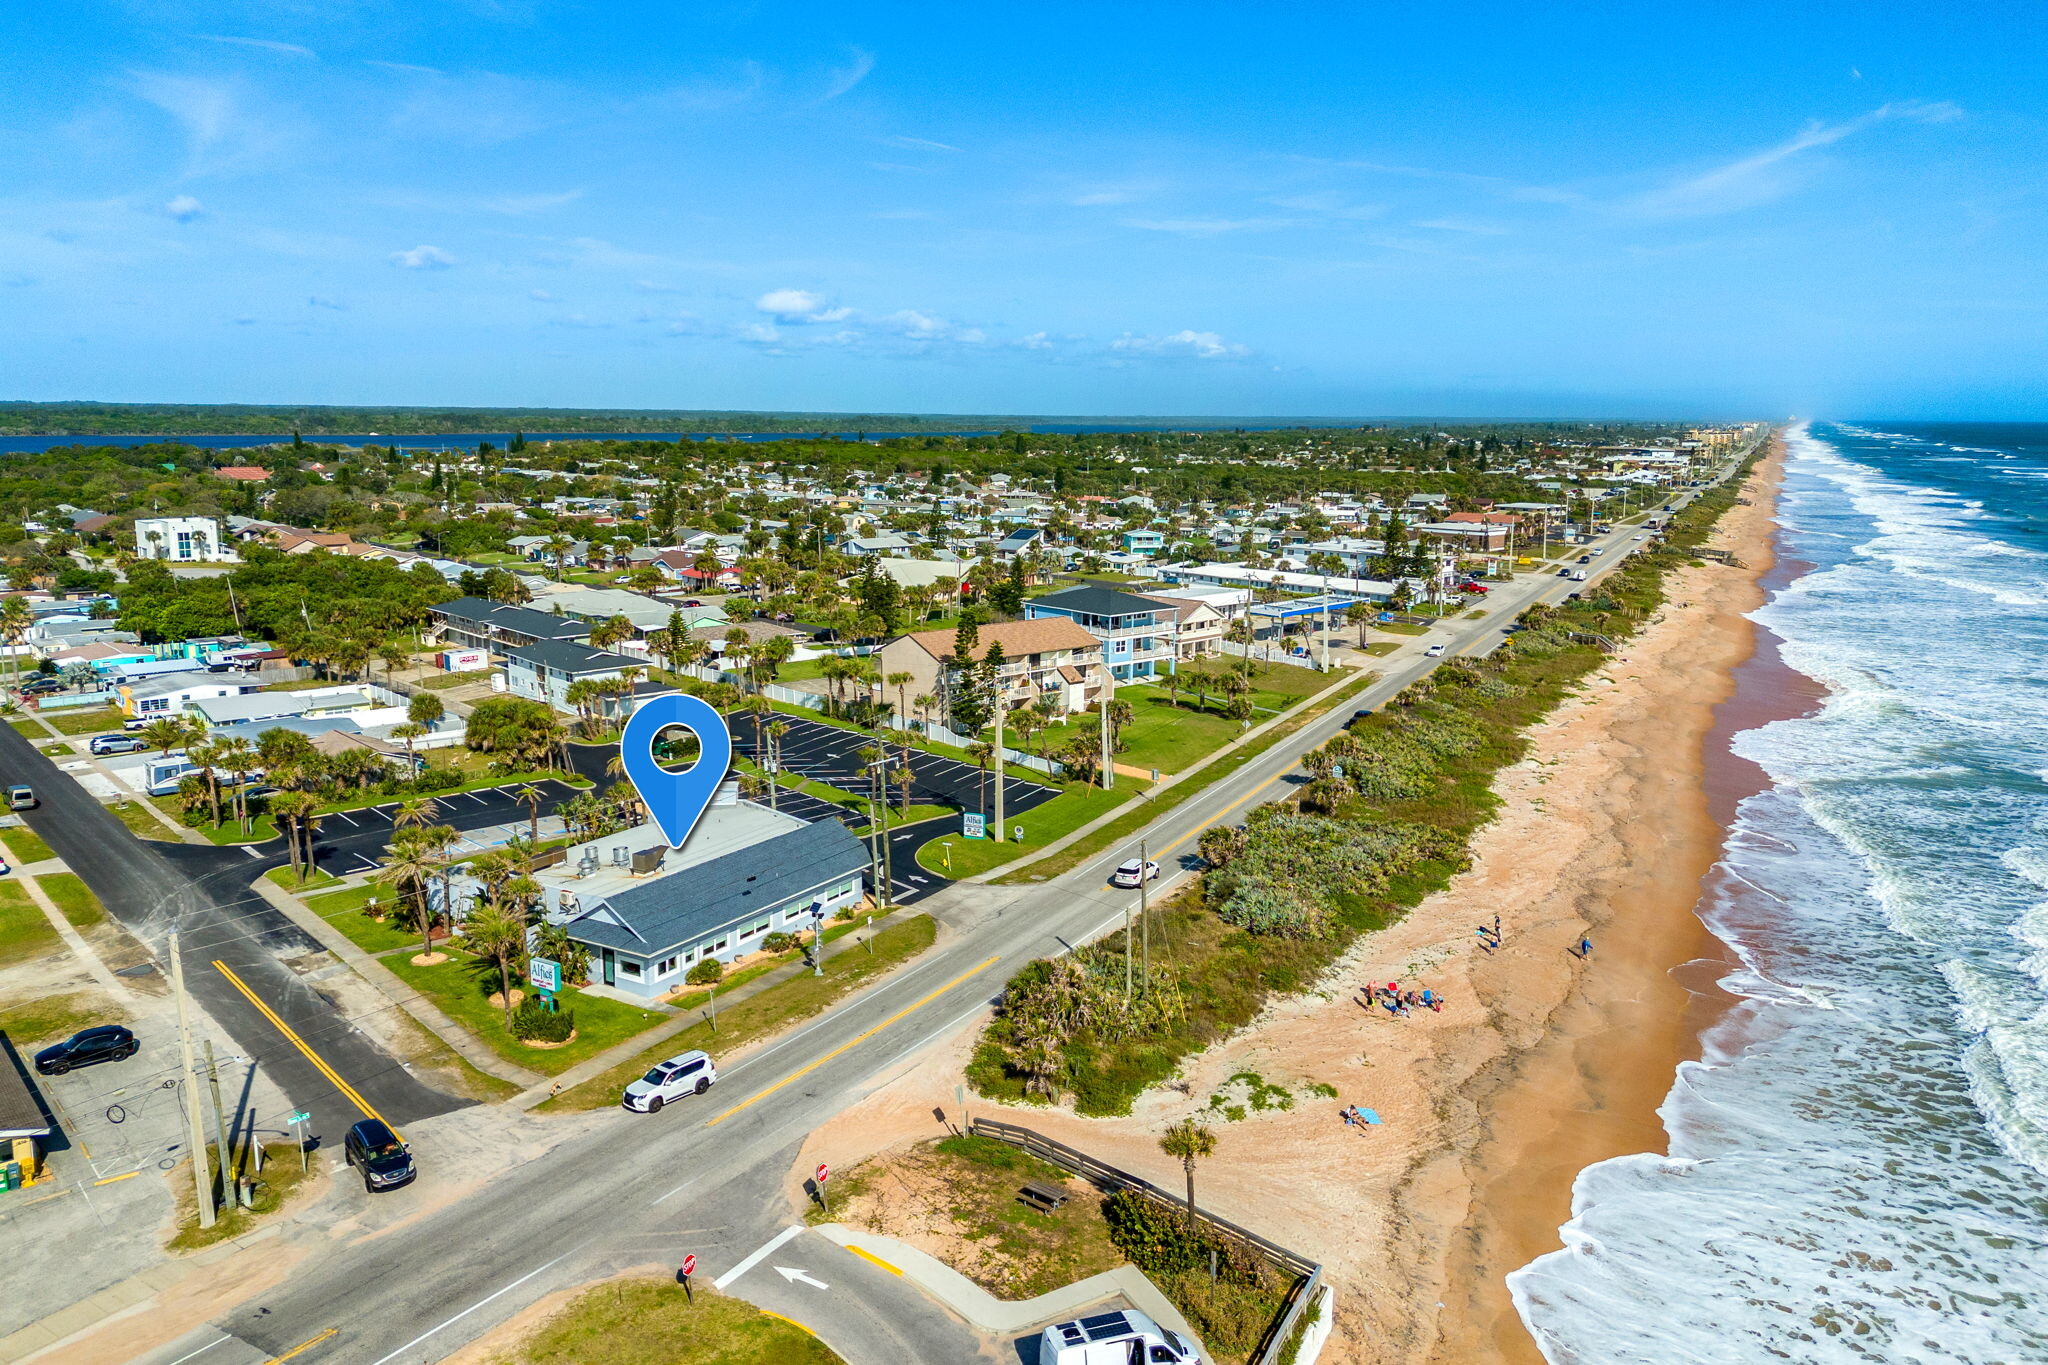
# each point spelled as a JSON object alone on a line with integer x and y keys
{"x": 611, "y": 968}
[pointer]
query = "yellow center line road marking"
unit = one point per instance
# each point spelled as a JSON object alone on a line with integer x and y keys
{"x": 305, "y": 1345}
{"x": 1225, "y": 814}
{"x": 873, "y": 1259}
{"x": 329, "y": 1072}
{"x": 853, "y": 1042}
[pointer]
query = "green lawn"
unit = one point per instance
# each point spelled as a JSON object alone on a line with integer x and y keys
{"x": 26, "y": 845}
{"x": 799, "y": 670}
{"x": 24, "y": 931}
{"x": 440, "y": 681}
{"x": 462, "y": 986}
{"x": 295, "y": 882}
{"x": 280, "y": 1180}
{"x": 140, "y": 822}
{"x": 1057, "y": 818}
{"x": 346, "y": 911}
{"x": 90, "y": 721}
{"x": 1161, "y": 734}
{"x": 80, "y": 906}
{"x": 56, "y": 1016}
{"x": 1401, "y": 628}
{"x": 648, "y": 1320}
{"x": 773, "y": 1010}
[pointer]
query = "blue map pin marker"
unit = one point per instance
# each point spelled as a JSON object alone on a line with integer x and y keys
{"x": 675, "y": 801}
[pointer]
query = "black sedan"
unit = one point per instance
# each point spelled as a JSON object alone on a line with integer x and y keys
{"x": 110, "y": 1043}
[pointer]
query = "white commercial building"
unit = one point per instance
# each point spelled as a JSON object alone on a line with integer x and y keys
{"x": 181, "y": 540}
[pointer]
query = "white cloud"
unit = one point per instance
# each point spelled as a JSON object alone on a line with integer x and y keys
{"x": 1766, "y": 175}
{"x": 847, "y": 77}
{"x": 760, "y": 333}
{"x": 184, "y": 208}
{"x": 920, "y": 144}
{"x": 423, "y": 257}
{"x": 1471, "y": 225}
{"x": 915, "y": 323}
{"x": 793, "y": 304}
{"x": 531, "y": 203}
{"x": 1205, "y": 227}
{"x": 205, "y": 108}
{"x": 316, "y": 301}
{"x": 1037, "y": 341}
{"x": 1184, "y": 343}
{"x": 1330, "y": 205}
{"x": 268, "y": 45}
{"x": 406, "y": 67}
{"x": 543, "y": 295}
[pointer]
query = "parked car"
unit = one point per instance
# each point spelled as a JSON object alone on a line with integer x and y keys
{"x": 115, "y": 744}
{"x": 372, "y": 1148}
{"x": 107, "y": 1043}
{"x": 1132, "y": 872}
{"x": 686, "y": 1073}
{"x": 1433, "y": 652}
{"x": 1472, "y": 587}
{"x": 36, "y": 687}
{"x": 134, "y": 723}
{"x": 21, "y": 798}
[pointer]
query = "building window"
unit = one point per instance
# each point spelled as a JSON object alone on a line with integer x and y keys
{"x": 667, "y": 965}
{"x": 631, "y": 969}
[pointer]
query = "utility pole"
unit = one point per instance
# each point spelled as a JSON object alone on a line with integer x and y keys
{"x": 195, "y": 1127}
{"x": 1108, "y": 696}
{"x": 1002, "y": 705}
{"x": 224, "y": 1154}
{"x": 1144, "y": 922}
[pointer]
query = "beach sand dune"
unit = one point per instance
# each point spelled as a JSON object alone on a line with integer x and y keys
{"x": 1542, "y": 1063}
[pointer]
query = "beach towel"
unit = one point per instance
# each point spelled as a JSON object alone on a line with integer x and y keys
{"x": 1369, "y": 1115}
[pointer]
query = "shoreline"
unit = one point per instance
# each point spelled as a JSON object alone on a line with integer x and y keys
{"x": 1541, "y": 1064}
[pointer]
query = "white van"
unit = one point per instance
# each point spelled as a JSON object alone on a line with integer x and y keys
{"x": 1119, "y": 1338}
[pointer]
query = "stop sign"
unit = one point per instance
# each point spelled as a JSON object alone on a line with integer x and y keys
{"x": 689, "y": 1265}
{"x": 824, "y": 1173}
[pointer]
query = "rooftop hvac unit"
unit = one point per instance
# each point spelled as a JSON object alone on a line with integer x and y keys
{"x": 586, "y": 865}
{"x": 647, "y": 860}
{"x": 620, "y": 855}
{"x": 728, "y": 793}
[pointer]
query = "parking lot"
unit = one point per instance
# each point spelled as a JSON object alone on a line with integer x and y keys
{"x": 828, "y": 754}
{"x": 354, "y": 841}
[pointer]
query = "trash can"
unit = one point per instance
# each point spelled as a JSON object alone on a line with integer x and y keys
{"x": 10, "y": 1176}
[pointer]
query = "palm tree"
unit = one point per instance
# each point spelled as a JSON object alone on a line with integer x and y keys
{"x": 293, "y": 812}
{"x": 1360, "y": 615}
{"x": 393, "y": 655}
{"x": 15, "y": 619}
{"x": 206, "y": 757}
{"x": 500, "y": 936}
{"x": 905, "y": 775}
{"x": 163, "y": 734}
{"x": 773, "y": 732}
{"x": 408, "y": 731}
{"x": 1188, "y": 1142}
{"x": 238, "y": 756}
{"x": 409, "y": 863}
{"x": 530, "y": 797}
{"x": 417, "y": 810}
{"x": 981, "y": 751}
{"x": 558, "y": 545}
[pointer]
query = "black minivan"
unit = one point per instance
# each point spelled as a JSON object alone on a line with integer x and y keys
{"x": 372, "y": 1148}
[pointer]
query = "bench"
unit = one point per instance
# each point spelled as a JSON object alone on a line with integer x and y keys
{"x": 1042, "y": 1196}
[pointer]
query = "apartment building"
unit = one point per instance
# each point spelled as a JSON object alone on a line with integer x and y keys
{"x": 1048, "y": 658}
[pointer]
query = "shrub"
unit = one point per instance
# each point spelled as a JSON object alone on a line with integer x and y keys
{"x": 535, "y": 1022}
{"x": 779, "y": 942}
{"x": 706, "y": 973}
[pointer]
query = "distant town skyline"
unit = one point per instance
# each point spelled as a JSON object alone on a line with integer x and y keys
{"x": 1610, "y": 211}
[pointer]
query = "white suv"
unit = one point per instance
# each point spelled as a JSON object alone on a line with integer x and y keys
{"x": 1132, "y": 872}
{"x": 686, "y": 1073}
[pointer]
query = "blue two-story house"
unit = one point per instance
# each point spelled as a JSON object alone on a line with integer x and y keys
{"x": 1137, "y": 633}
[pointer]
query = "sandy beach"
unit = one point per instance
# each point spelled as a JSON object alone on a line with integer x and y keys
{"x": 1541, "y": 1065}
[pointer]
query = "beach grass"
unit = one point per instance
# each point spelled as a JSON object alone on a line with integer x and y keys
{"x": 649, "y": 1320}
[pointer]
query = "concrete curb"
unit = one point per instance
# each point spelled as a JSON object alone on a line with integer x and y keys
{"x": 423, "y": 1011}
{"x": 1003, "y": 1317}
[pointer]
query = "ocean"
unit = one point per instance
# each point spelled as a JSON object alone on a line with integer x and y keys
{"x": 1859, "y": 1161}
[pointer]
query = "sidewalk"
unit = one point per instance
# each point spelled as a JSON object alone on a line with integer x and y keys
{"x": 423, "y": 1011}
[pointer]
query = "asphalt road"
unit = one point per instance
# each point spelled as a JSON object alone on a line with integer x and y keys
{"x": 697, "y": 1178}
{"x": 228, "y": 934}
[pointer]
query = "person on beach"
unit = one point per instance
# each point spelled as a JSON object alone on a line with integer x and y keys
{"x": 1585, "y": 947}
{"x": 1496, "y": 928}
{"x": 1485, "y": 939}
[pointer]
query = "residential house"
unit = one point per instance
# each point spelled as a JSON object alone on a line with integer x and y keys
{"x": 477, "y": 623}
{"x": 181, "y": 540}
{"x": 544, "y": 669}
{"x": 1198, "y": 627}
{"x": 648, "y": 913}
{"x": 1052, "y": 658}
{"x": 1144, "y": 542}
{"x": 1136, "y": 633}
{"x": 148, "y": 696}
{"x": 243, "y": 473}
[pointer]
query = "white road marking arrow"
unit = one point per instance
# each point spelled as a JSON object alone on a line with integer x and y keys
{"x": 795, "y": 1275}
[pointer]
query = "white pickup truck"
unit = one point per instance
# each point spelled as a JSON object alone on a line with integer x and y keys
{"x": 1125, "y": 1337}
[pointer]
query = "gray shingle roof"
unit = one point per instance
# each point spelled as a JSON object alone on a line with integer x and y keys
{"x": 1095, "y": 601}
{"x": 563, "y": 656}
{"x": 673, "y": 912}
{"x": 541, "y": 625}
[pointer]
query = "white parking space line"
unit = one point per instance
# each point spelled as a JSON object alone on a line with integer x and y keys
{"x": 761, "y": 1253}
{"x": 343, "y": 817}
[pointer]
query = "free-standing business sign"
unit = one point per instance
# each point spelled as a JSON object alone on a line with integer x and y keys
{"x": 544, "y": 974}
{"x": 973, "y": 825}
{"x": 675, "y": 801}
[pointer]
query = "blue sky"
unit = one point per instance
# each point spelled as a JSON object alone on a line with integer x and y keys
{"x": 1187, "y": 208}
